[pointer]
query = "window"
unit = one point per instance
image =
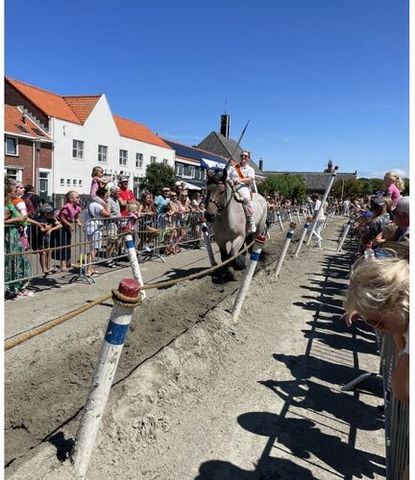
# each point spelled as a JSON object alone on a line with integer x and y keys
{"x": 153, "y": 159}
{"x": 12, "y": 146}
{"x": 68, "y": 182}
{"x": 123, "y": 157}
{"x": 188, "y": 170}
{"x": 74, "y": 182}
{"x": 14, "y": 173}
{"x": 165, "y": 161}
{"x": 77, "y": 149}
{"x": 80, "y": 183}
{"x": 198, "y": 173}
{"x": 139, "y": 160}
{"x": 179, "y": 169}
{"x": 102, "y": 153}
{"x": 62, "y": 182}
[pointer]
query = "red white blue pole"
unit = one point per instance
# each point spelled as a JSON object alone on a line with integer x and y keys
{"x": 206, "y": 238}
{"x": 126, "y": 297}
{"x": 249, "y": 273}
{"x": 345, "y": 232}
{"x": 135, "y": 266}
{"x": 322, "y": 205}
{"x": 288, "y": 238}
{"x": 305, "y": 229}
{"x": 279, "y": 220}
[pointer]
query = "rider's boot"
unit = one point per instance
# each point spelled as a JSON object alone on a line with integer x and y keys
{"x": 251, "y": 225}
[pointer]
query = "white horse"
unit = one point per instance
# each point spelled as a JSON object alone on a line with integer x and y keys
{"x": 225, "y": 211}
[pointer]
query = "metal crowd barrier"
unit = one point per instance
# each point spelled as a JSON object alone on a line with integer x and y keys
{"x": 154, "y": 238}
{"x": 99, "y": 241}
{"x": 396, "y": 416}
{"x": 396, "y": 412}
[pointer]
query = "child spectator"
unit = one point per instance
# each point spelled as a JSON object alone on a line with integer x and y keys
{"x": 44, "y": 237}
{"x": 394, "y": 186}
{"x": 97, "y": 182}
{"x": 69, "y": 217}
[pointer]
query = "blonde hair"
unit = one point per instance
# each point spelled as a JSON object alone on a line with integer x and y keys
{"x": 133, "y": 207}
{"x": 378, "y": 285}
{"x": 396, "y": 179}
{"x": 96, "y": 171}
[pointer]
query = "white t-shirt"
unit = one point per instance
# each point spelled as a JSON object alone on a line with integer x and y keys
{"x": 247, "y": 170}
{"x": 317, "y": 206}
{"x": 92, "y": 213}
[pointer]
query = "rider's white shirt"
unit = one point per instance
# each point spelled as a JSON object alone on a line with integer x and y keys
{"x": 248, "y": 172}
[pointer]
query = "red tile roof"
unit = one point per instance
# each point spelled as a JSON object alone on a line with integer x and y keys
{"x": 82, "y": 105}
{"x": 50, "y": 103}
{"x": 13, "y": 123}
{"x": 137, "y": 131}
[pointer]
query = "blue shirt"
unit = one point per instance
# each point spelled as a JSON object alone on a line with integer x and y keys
{"x": 160, "y": 203}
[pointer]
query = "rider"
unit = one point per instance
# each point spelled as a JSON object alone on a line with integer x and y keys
{"x": 243, "y": 177}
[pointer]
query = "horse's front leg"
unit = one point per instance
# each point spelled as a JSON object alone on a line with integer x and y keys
{"x": 239, "y": 262}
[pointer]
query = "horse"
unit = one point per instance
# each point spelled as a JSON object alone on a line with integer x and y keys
{"x": 224, "y": 209}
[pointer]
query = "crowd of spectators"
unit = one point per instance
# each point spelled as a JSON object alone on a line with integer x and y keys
{"x": 378, "y": 293}
{"x": 31, "y": 225}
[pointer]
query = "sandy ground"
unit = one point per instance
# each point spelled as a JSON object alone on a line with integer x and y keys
{"x": 197, "y": 396}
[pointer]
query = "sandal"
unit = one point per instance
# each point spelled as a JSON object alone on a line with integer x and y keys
{"x": 25, "y": 293}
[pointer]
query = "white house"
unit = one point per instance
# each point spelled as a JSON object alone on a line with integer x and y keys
{"x": 86, "y": 134}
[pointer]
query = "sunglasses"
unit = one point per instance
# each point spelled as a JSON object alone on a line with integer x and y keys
{"x": 244, "y": 156}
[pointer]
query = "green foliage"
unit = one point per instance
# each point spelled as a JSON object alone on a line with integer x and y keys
{"x": 289, "y": 186}
{"x": 158, "y": 175}
{"x": 354, "y": 188}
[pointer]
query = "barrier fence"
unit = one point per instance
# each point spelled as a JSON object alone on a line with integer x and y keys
{"x": 31, "y": 253}
{"x": 396, "y": 412}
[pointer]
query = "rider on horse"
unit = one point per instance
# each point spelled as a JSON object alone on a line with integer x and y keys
{"x": 243, "y": 178}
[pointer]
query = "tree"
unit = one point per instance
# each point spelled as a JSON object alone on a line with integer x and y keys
{"x": 158, "y": 175}
{"x": 350, "y": 187}
{"x": 289, "y": 186}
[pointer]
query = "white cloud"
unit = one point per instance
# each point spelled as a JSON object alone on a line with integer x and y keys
{"x": 380, "y": 173}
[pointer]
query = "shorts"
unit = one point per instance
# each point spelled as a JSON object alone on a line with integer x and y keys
{"x": 95, "y": 239}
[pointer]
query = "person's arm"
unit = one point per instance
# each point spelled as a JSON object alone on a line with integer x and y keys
{"x": 20, "y": 219}
{"x": 105, "y": 212}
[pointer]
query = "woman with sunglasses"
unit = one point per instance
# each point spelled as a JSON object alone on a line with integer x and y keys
{"x": 379, "y": 295}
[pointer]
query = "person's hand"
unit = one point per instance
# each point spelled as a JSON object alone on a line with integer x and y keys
{"x": 350, "y": 317}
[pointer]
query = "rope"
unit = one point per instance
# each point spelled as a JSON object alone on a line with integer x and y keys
{"x": 34, "y": 332}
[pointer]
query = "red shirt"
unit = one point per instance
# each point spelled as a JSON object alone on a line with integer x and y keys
{"x": 125, "y": 195}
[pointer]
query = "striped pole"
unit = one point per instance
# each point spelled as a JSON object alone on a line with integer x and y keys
{"x": 305, "y": 229}
{"x": 125, "y": 298}
{"x": 298, "y": 215}
{"x": 206, "y": 238}
{"x": 288, "y": 238}
{"x": 343, "y": 237}
{"x": 321, "y": 209}
{"x": 249, "y": 273}
{"x": 279, "y": 220}
{"x": 290, "y": 216}
{"x": 135, "y": 266}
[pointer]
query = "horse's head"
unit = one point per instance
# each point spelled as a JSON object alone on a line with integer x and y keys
{"x": 216, "y": 197}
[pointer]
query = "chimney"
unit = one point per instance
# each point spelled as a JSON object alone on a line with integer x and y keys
{"x": 225, "y": 124}
{"x": 261, "y": 164}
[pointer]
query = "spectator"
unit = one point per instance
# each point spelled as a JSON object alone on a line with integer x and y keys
{"x": 97, "y": 182}
{"x": 94, "y": 226}
{"x": 378, "y": 223}
{"x": 394, "y": 186}
{"x": 32, "y": 201}
{"x": 125, "y": 196}
{"x": 161, "y": 201}
{"x": 379, "y": 294}
{"x": 17, "y": 266}
{"x": 45, "y": 236}
{"x": 69, "y": 218}
{"x": 114, "y": 229}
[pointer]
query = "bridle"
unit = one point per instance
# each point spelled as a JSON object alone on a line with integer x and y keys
{"x": 221, "y": 208}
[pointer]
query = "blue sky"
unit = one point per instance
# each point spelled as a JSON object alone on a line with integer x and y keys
{"x": 318, "y": 79}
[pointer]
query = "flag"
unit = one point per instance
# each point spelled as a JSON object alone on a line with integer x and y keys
{"x": 212, "y": 164}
